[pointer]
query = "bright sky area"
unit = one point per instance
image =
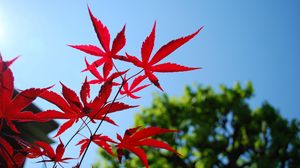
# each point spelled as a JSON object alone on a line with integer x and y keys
{"x": 241, "y": 41}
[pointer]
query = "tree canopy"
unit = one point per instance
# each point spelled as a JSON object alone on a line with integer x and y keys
{"x": 217, "y": 129}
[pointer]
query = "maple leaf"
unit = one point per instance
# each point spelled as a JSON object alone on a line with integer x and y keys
{"x": 100, "y": 140}
{"x": 106, "y": 54}
{"x": 46, "y": 150}
{"x": 105, "y": 77}
{"x": 11, "y": 107}
{"x": 151, "y": 66}
{"x": 73, "y": 108}
{"x": 135, "y": 137}
{"x": 128, "y": 91}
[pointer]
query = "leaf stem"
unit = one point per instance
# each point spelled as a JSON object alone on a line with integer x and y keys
{"x": 44, "y": 162}
{"x": 114, "y": 99}
{"x": 90, "y": 140}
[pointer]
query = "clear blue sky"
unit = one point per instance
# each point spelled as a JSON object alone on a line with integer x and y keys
{"x": 241, "y": 40}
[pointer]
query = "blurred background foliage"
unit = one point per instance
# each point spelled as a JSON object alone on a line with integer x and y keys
{"x": 217, "y": 130}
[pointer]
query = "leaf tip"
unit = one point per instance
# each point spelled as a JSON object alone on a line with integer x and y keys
{"x": 198, "y": 30}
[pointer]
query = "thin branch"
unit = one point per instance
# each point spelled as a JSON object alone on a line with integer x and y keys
{"x": 90, "y": 140}
{"x": 86, "y": 126}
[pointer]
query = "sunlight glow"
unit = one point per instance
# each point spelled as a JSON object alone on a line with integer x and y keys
{"x": 1, "y": 33}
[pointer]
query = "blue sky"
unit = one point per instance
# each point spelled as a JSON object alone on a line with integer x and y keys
{"x": 241, "y": 41}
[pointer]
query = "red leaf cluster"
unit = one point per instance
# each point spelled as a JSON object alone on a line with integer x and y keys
{"x": 81, "y": 107}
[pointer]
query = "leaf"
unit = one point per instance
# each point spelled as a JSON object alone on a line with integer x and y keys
{"x": 140, "y": 153}
{"x": 24, "y": 99}
{"x": 60, "y": 149}
{"x": 148, "y": 45}
{"x": 170, "y": 47}
{"x": 53, "y": 114}
{"x": 109, "y": 120}
{"x": 85, "y": 92}
{"x": 106, "y": 55}
{"x": 94, "y": 65}
{"x": 94, "y": 71}
{"x": 100, "y": 140}
{"x": 74, "y": 108}
{"x": 111, "y": 108}
{"x": 171, "y": 67}
{"x": 56, "y": 99}
{"x": 101, "y": 31}
{"x": 137, "y": 81}
{"x": 157, "y": 144}
{"x": 4, "y": 65}
{"x": 64, "y": 127}
{"x": 48, "y": 151}
{"x": 106, "y": 78}
{"x": 150, "y": 131}
{"x": 134, "y": 60}
{"x": 71, "y": 98}
{"x": 6, "y": 84}
{"x": 153, "y": 79}
{"x": 108, "y": 66}
{"x": 11, "y": 107}
{"x": 119, "y": 42}
{"x": 102, "y": 97}
{"x": 89, "y": 49}
{"x": 136, "y": 137}
{"x": 84, "y": 144}
{"x": 128, "y": 91}
{"x": 151, "y": 66}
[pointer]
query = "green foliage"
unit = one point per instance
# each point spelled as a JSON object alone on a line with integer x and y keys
{"x": 218, "y": 130}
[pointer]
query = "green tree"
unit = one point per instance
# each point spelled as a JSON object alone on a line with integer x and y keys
{"x": 218, "y": 130}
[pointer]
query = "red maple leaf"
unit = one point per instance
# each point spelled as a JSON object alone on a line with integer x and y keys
{"x": 43, "y": 149}
{"x": 73, "y": 109}
{"x": 11, "y": 107}
{"x": 98, "y": 139}
{"x": 129, "y": 91}
{"x": 133, "y": 138}
{"x": 151, "y": 66}
{"x": 106, "y": 54}
{"x": 105, "y": 77}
